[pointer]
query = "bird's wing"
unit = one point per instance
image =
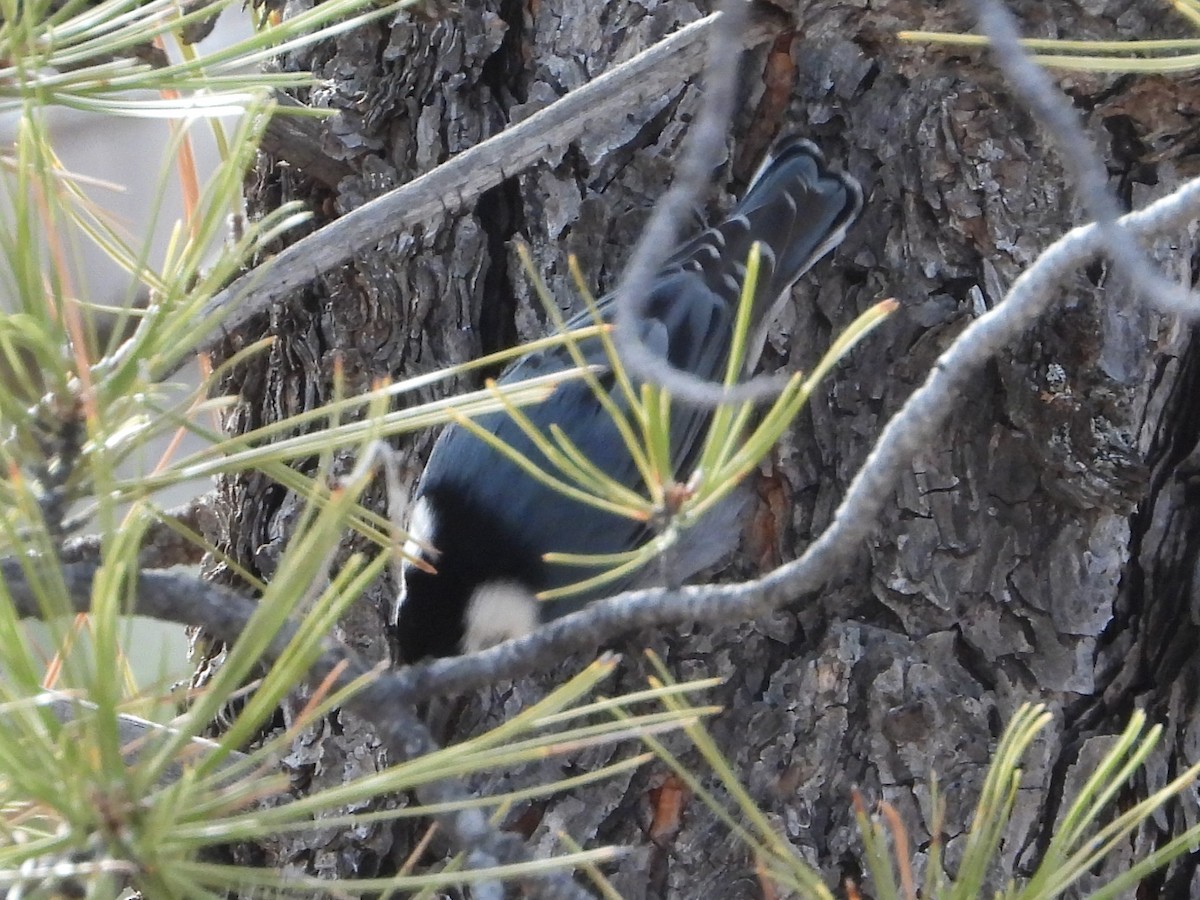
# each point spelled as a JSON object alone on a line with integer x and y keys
{"x": 686, "y": 324}
{"x": 798, "y": 210}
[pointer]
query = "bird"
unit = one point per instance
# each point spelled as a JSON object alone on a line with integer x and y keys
{"x": 479, "y": 526}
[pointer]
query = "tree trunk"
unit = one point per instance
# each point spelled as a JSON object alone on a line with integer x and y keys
{"x": 1040, "y": 549}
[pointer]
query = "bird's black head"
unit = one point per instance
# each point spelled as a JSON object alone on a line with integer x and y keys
{"x": 482, "y": 590}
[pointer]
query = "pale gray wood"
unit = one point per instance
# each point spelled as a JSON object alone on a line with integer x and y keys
{"x": 137, "y": 733}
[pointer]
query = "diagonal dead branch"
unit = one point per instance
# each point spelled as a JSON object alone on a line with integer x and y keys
{"x": 461, "y": 179}
{"x": 298, "y": 141}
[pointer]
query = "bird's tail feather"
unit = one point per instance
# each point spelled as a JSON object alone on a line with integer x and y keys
{"x": 796, "y": 207}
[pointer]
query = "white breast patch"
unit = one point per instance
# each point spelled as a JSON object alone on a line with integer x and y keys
{"x": 422, "y": 530}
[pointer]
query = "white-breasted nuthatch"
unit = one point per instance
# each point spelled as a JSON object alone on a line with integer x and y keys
{"x": 488, "y": 524}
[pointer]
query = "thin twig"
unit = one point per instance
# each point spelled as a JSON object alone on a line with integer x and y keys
{"x": 164, "y": 544}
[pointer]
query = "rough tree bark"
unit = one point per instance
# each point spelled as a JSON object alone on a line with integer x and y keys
{"x": 1040, "y": 549}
